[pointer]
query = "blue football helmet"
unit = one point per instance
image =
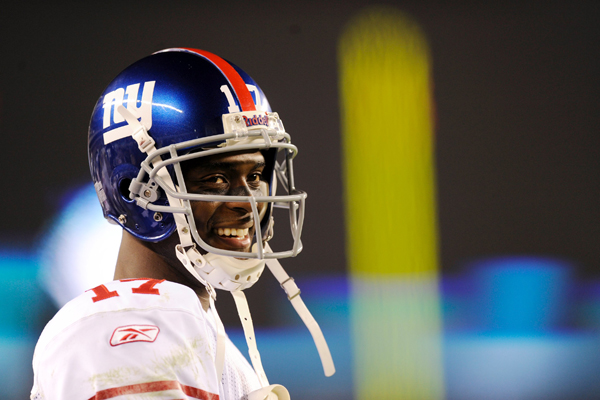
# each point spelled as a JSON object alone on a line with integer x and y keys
{"x": 176, "y": 105}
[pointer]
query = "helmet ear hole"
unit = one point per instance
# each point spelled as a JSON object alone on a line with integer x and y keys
{"x": 124, "y": 189}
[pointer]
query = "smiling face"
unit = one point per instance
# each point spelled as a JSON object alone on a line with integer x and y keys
{"x": 226, "y": 225}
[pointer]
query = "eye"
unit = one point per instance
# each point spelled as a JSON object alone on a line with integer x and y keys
{"x": 211, "y": 184}
{"x": 255, "y": 177}
{"x": 214, "y": 179}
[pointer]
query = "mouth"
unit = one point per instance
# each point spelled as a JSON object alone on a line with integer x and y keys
{"x": 239, "y": 233}
{"x": 233, "y": 238}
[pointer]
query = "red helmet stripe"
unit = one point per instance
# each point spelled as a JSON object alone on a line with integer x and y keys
{"x": 235, "y": 80}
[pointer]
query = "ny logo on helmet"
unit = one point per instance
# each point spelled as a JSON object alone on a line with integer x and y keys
{"x": 115, "y": 98}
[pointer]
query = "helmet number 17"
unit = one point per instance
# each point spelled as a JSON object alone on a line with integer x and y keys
{"x": 234, "y": 107}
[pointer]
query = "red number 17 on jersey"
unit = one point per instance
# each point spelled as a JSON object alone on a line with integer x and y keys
{"x": 102, "y": 293}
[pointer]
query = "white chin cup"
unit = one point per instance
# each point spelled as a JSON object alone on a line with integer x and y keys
{"x": 229, "y": 273}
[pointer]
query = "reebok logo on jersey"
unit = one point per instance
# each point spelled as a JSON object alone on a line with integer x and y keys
{"x": 134, "y": 333}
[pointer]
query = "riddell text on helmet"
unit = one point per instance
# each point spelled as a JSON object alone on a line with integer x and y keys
{"x": 257, "y": 120}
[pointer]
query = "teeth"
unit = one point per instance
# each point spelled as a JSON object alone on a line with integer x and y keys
{"x": 232, "y": 232}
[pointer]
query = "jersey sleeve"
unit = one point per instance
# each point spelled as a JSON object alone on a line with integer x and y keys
{"x": 127, "y": 340}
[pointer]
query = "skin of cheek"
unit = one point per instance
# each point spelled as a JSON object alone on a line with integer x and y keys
{"x": 203, "y": 211}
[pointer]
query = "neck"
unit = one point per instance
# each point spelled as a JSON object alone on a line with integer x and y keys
{"x": 140, "y": 259}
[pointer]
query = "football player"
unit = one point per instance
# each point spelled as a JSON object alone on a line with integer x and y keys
{"x": 185, "y": 155}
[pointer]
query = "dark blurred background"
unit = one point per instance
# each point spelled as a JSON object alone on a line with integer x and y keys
{"x": 516, "y": 89}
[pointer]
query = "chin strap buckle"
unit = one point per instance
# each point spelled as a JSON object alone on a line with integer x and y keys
{"x": 140, "y": 134}
{"x": 289, "y": 286}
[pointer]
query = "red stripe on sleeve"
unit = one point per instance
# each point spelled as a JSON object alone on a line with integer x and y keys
{"x": 199, "y": 393}
{"x": 149, "y": 387}
{"x": 236, "y": 81}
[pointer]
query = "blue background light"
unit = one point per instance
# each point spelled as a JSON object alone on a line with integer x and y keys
{"x": 516, "y": 327}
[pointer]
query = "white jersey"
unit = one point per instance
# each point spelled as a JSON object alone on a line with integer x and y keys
{"x": 135, "y": 339}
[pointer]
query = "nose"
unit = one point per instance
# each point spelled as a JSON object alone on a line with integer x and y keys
{"x": 240, "y": 188}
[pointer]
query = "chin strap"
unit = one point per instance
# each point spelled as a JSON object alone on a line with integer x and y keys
{"x": 293, "y": 293}
{"x": 278, "y": 392}
{"x": 244, "y": 312}
{"x": 221, "y": 340}
{"x": 266, "y": 392}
